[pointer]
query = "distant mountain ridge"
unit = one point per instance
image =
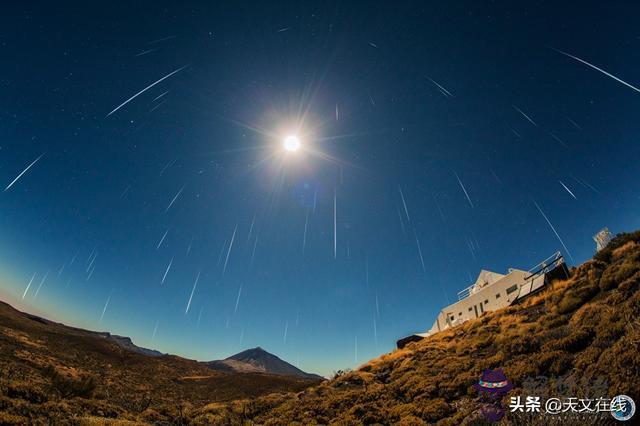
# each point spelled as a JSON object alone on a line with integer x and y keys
{"x": 257, "y": 360}
{"x": 127, "y": 343}
{"x": 254, "y": 360}
{"x": 51, "y": 373}
{"x": 123, "y": 341}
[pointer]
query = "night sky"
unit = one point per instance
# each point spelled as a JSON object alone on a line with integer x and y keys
{"x": 430, "y": 135}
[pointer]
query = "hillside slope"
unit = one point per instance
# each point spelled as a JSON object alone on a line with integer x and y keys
{"x": 55, "y": 374}
{"x": 578, "y": 338}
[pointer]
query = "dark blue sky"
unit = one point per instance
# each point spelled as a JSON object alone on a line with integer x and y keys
{"x": 360, "y": 83}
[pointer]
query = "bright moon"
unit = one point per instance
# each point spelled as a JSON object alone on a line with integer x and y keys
{"x": 291, "y": 143}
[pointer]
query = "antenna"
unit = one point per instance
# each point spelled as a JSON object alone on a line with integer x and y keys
{"x": 602, "y": 238}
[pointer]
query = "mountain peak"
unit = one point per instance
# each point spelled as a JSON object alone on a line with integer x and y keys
{"x": 251, "y": 353}
{"x": 258, "y": 360}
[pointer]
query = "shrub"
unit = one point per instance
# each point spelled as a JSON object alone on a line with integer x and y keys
{"x": 574, "y": 342}
{"x": 613, "y": 276}
{"x": 562, "y": 363}
{"x": 70, "y": 387}
{"x": 25, "y": 392}
{"x": 521, "y": 345}
{"x": 577, "y": 297}
{"x": 12, "y": 419}
{"x": 436, "y": 409}
{"x": 609, "y": 333}
{"x": 339, "y": 373}
{"x": 606, "y": 254}
{"x": 630, "y": 285}
{"x": 544, "y": 360}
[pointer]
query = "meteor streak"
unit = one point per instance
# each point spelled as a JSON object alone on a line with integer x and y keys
{"x": 525, "y": 115}
{"x": 253, "y": 252}
{"x": 233, "y": 237}
{"x": 568, "y": 190}
{"x": 335, "y": 227}
{"x": 464, "y": 189}
{"x": 144, "y": 52}
{"x": 169, "y": 164}
{"x": 155, "y": 330}
{"x": 105, "y": 308}
{"x": 23, "y": 172}
{"x": 174, "y": 199}
{"x": 419, "y": 251}
{"x": 404, "y": 204}
{"x": 160, "y": 95}
{"x": 375, "y": 331}
{"x": 597, "y": 69}
{"x": 576, "y": 125}
{"x": 28, "y": 285}
{"x": 192, "y": 291}
{"x": 167, "y": 271}
{"x": 251, "y": 227}
{"x": 40, "y": 286}
{"x": 61, "y": 270}
{"x": 145, "y": 89}
{"x": 585, "y": 184}
{"x": 162, "y": 239}
{"x": 553, "y": 229}
{"x": 559, "y": 140}
{"x": 237, "y": 300}
{"x": 304, "y": 235}
{"x": 444, "y": 91}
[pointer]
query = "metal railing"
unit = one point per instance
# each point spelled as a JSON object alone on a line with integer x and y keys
{"x": 463, "y": 294}
{"x": 546, "y": 265}
{"x": 543, "y": 267}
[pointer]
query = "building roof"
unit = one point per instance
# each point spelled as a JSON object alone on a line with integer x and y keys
{"x": 485, "y": 278}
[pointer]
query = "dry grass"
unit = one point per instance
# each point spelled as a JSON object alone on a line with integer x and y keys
{"x": 50, "y": 373}
{"x": 98, "y": 421}
{"x": 579, "y": 337}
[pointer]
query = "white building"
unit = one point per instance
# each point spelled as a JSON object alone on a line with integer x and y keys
{"x": 493, "y": 291}
{"x": 602, "y": 239}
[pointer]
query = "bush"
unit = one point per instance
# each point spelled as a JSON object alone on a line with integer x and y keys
{"x": 630, "y": 285}
{"x": 561, "y": 364}
{"x": 573, "y": 299}
{"x": 437, "y": 409}
{"x": 69, "y": 387}
{"x": 339, "y": 373}
{"x": 612, "y": 277}
{"x": 606, "y": 254}
{"x": 521, "y": 345}
{"x": 574, "y": 342}
{"x": 25, "y": 392}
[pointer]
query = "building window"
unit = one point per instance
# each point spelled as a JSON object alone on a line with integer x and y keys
{"x": 512, "y": 289}
{"x": 498, "y": 296}
{"x": 459, "y": 314}
{"x": 470, "y": 308}
{"x": 486, "y": 301}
